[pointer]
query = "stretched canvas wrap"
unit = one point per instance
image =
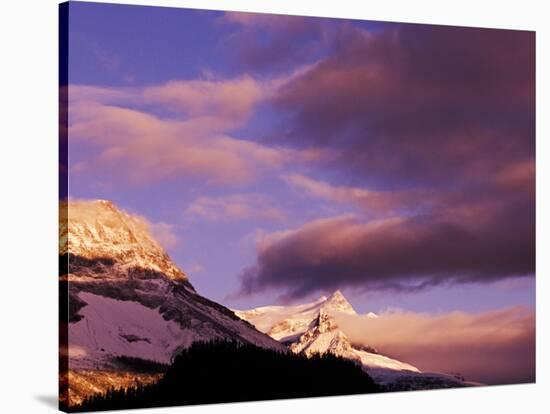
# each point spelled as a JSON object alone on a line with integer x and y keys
{"x": 258, "y": 206}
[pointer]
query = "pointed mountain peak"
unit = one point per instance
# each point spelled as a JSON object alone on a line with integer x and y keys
{"x": 337, "y": 302}
{"x": 337, "y": 295}
{"x": 323, "y": 335}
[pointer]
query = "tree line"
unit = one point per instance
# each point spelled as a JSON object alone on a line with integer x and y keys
{"x": 222, "y": 371}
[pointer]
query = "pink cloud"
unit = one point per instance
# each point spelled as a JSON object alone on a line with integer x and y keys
{"x": 164, "y": 234}
{"x": 495, "y": 347}
{"x": 519, "y": 175}
{"x": 146, "y": 148}
{"x": 291, "y": 40}
{"x": 236, "y": 207}
{"x": 194, "y": 142}
{"x": 195, "y": 268}
{"x": 232, "y": 100}
{"x": 269, "y": 21}
{"x": 379, "y": 202}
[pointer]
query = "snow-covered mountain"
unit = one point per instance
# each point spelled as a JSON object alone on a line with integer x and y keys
{"x": 312, "y": 329}
{"x": 126, "y": 298}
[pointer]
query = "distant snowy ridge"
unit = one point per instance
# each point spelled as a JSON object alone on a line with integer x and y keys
{"x": 312, "y": 329}
{"x": 285, "y": 323}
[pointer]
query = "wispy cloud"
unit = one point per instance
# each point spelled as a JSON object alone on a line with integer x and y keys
{"x": 378, "y": 202}
{"x": 269, "y": 42}
{"x": 190, "y": 139}
{"x": 250, "y": 206}
{"x": 195, "y": 268}
{"x": 164, "y": 233}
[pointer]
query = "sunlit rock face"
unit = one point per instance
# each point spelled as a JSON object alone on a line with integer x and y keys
{"x": 98, "y": 231}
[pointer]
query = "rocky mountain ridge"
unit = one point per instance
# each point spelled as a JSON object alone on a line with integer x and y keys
{"x": 313, "y": 329}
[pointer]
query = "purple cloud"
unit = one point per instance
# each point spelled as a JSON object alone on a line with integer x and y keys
{"x": 485, "y": 244}
{"x": 425, "y": 116}
{"x": 416, "y": 104}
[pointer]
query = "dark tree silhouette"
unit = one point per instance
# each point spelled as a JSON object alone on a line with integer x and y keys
{"x": 217, "y": 372}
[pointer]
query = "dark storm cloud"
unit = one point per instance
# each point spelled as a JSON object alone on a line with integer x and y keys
{"x": 470, "y": 244}
{"x": 418, "y": 104}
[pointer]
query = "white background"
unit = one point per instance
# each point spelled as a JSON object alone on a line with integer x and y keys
{"x": 28, "y": 227}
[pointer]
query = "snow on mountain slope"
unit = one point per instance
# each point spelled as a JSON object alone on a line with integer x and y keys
{"x": 122, "y": 328}
{"x": 110, "y": 328}
{"x": 287, "y": 323}
{"x": 312, "y": 329}
{"x": 126, "y": 298}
